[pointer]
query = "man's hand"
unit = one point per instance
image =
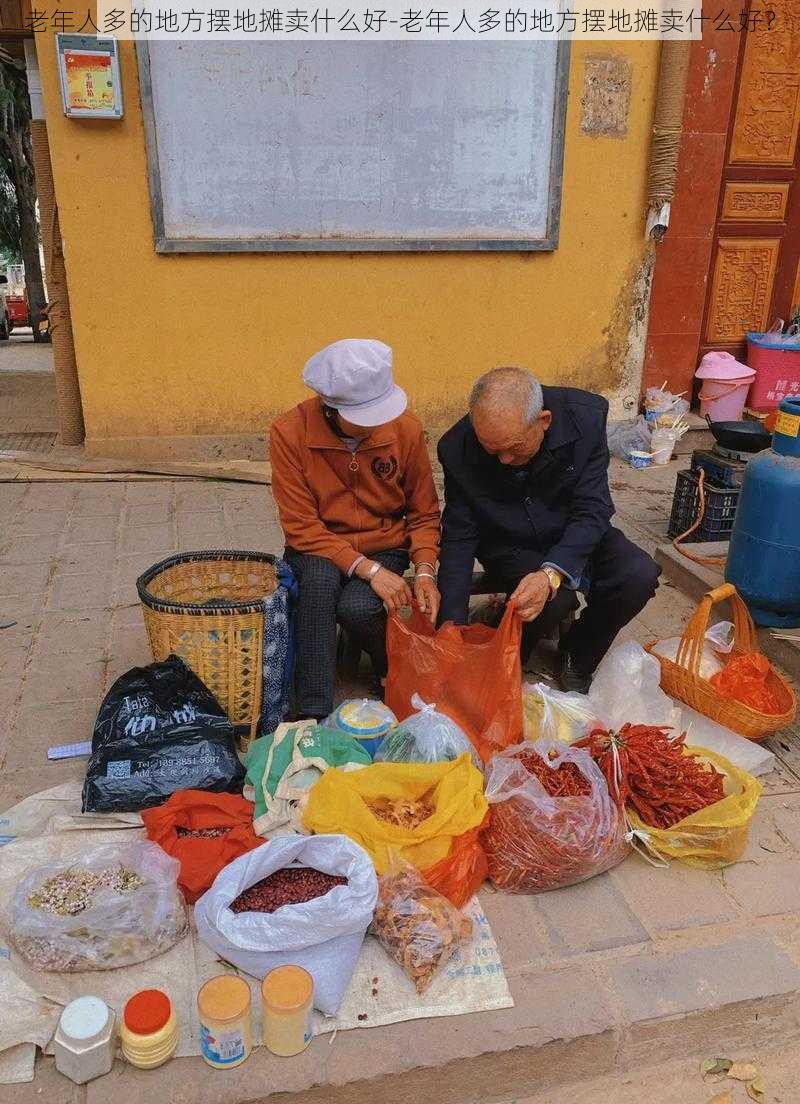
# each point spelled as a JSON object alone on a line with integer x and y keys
{"x": 531, "y": 595}
{"x": 393, "y": 590}
{"x": 427, "y": 595}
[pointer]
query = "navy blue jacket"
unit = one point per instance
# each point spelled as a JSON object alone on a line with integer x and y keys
{"x": 555, "y": 510}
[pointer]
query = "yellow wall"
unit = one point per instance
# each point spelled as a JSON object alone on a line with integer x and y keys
{"x": 214, "y": 344}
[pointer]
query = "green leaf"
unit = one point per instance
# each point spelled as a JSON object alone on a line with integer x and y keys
{"x": 715, "y": 1067}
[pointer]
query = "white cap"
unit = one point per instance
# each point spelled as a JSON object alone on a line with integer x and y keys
{"x": 354, "y": 376}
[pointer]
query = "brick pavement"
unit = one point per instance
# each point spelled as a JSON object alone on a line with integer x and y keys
{"x": 604, "y": 974}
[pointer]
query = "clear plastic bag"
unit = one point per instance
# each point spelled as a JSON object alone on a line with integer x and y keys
{"x": 536, "y": 842}
{"x": 415, "y": 925}
{"x": 425, "y": 737}
{"x": 627, "y": 689}
{"x": 745, "y": 754}
{"x": 549, "y": 714}
{"x": 662, "y": 408}
{"x": 113, "y": 906}
{"x": 719, "y": 639}
{"x": 632, "y": 434}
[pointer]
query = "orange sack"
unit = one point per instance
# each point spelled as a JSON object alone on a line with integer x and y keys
{"x": 471, "y": 672}
{"x": 202, "y": 857}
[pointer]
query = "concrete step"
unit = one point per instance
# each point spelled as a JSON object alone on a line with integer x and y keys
{"x": 696, "y": 579}
{"x": 611, "y": 975}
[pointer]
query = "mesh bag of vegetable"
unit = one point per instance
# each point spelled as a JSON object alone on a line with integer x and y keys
{"x": 551, "y": 820}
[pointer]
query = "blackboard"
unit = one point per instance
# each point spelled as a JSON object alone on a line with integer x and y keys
{"x": 341, "y": 146}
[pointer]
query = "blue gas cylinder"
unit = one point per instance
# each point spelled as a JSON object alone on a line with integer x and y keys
{"x": 764, "y": 556}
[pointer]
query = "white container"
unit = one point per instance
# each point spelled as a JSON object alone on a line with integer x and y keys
{"x": 662, "y": 445}
{"x": 84, "y": 1041}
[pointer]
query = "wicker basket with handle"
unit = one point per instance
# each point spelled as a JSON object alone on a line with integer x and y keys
{"x": 681, "y": 677}
{"x": 206, "y": 608}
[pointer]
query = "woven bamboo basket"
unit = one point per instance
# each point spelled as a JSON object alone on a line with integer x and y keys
{"x": 206, "y": 608}
{"x": 681, "y": 677}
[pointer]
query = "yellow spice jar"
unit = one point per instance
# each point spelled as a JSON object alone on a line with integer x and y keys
{"x": 149, "y": 1031}
{"x": 287, "y": 994}
{"x": 226, "y": 1030}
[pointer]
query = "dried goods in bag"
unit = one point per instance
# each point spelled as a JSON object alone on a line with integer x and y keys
{"x": 551, "y": 819}
{"x": 204, "y": 832}
{"x": 685, "y": 803}
{"x": 112, "y": 906}
{"x": 322, "y": 934}
{"x": 289, "y": 886}
{"x": 417, "y": 926}
{"x": 654, "y": 774}
{"x": 430, "y": 813}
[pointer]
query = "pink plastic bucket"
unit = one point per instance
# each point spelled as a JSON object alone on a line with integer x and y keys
{"x": 777, "y": 371}
{"x": 725, "y": 386}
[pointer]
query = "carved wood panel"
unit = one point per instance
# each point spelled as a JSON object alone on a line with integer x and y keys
{"x": 741, "y": 289}
{"x": 768, "y": 108}
{"x": 757, "y": 202}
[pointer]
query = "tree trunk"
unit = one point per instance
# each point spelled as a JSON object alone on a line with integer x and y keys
{"x": 28, "y": 232}
{"x": 34, "y": 282}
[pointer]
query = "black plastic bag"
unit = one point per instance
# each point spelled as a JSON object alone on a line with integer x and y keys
{"x": 159, "y": 729}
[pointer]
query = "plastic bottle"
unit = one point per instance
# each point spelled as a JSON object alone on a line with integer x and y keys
{"x": 662, "y": 445}
{"x": 287, "y": 994}
{"x": 149, "y": 1031}
{"x": 226, "y": 1030}
{"x": 84, "y": 1040}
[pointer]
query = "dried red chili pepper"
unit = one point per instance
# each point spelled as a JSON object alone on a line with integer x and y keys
{"x": 563, "y": 781}
{"x": 654, "y": 774}
{"x": 536, "y": 843}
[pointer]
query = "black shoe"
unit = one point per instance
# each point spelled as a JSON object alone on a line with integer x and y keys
{"x": 571, "y": 677}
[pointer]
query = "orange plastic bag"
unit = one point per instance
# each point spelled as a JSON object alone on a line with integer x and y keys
{"x": 744, "y": 679}
{"x": 464, "y": 869}
{"x": 472, "y": 673}
{"x": 202, "y": 857}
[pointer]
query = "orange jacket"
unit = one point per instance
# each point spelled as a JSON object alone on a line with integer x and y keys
{"x": 340, "y": 505}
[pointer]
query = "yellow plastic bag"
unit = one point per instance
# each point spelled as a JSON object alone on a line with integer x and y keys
{"x": 715, "y": 836}
{"x": 445, "y": 843}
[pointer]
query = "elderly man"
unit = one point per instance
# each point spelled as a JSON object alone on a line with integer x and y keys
{"x": 526, "y": 492}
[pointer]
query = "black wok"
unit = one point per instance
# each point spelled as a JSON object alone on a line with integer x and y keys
{"x": 742, "y": 436}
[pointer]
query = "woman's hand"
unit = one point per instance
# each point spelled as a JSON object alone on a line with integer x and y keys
{"x": 392, "y": 589}
{"x": 531, "y": 595}
{"x": 427, "y": 596}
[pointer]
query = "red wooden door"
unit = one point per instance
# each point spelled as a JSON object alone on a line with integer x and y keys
{"x": 755, "y": 261}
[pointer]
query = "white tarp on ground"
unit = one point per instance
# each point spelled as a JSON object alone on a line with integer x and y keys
{"x": 49, "y": 826}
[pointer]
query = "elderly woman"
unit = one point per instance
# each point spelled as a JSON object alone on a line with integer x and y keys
{"x": 356, "y": 501}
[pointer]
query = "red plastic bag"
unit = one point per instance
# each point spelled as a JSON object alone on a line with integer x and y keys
{"x": 472, "y": 673}
{"x": 744, "y": 679}
{"x": 202, "y": 857}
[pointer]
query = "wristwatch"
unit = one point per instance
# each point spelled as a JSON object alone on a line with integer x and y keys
{"x": 554, "y": 578}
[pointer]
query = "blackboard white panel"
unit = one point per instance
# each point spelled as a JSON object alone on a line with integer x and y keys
{"x": 338, "y": 145}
